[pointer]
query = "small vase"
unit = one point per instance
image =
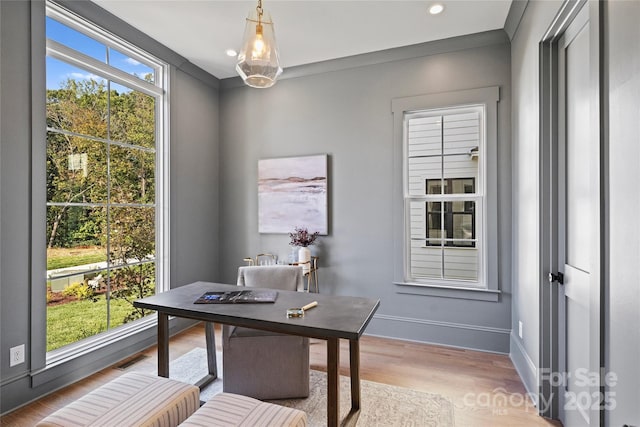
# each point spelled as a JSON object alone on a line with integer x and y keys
{"x": 304, "y": 255}
{"x": 293, "y": 255}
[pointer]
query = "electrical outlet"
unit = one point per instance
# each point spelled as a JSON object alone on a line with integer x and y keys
{"x": 520, "y": 328}
{"x": 16, "y": 355}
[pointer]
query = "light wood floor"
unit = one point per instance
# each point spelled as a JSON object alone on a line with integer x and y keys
{"x": 484, "y": 388}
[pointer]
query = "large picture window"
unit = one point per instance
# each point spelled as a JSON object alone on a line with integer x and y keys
{"x": 105, "y": 169}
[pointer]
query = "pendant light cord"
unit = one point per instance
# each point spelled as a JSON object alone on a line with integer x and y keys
{"x": 259, "y": 10}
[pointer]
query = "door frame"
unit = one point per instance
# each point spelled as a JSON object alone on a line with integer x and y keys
{"x": 548, "y": 388}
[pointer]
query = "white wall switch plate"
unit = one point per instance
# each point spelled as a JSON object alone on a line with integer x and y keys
{"x": 520, "y": 328}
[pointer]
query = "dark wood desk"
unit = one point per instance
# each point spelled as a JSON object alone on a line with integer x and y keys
{"x": 335, "y": 317}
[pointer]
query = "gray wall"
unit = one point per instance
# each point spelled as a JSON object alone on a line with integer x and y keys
{"x": 194, "y": 196}
{"x": 343, "y": 108}
{"x": 526, "y": 195}
{"x": 623, "y": 305}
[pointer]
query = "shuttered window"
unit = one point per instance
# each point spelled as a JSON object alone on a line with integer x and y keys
{"x": 444, "y": 195}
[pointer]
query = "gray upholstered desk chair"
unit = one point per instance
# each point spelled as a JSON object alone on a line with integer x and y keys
{"x": 262, "y": 364}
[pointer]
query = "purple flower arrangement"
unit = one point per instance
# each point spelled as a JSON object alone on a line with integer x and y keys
{"x": 302, "y": 237}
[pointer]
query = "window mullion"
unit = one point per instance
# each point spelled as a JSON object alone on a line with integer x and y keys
{"x": 443, "y": 233}
{"x": 108, "y": 207}
{"x": 62, "y": 15}
{"x": 94, "y": 138}
{"x": 78, "y": 59}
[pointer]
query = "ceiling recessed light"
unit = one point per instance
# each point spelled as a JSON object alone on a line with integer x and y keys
{"x": 436, "y": 9}
{"x": 231, "y": 52}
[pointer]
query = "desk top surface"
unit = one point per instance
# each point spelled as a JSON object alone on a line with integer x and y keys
{"x": 335, "y": 316}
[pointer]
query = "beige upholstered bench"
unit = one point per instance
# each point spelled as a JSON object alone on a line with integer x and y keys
{"x": 227, "y": 409}
{"x": 133, "y": 399}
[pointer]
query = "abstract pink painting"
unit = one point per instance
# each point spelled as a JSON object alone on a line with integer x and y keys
{"x": 292, "y": 192}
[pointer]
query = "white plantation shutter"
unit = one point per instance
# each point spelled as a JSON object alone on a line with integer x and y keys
{"x": 444, "y": 194}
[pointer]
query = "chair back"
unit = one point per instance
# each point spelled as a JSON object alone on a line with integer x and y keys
{"x": 283, "y": 277}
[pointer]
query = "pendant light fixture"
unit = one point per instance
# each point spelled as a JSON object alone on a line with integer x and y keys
{"x": 258, "y": 61}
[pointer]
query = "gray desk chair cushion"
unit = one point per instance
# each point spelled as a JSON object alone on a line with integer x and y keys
{"x": 263, "y": 364}
{"x": 284, "y": 277}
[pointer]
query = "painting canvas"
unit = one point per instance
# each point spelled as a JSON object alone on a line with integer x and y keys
{"x": 292, "y": 192}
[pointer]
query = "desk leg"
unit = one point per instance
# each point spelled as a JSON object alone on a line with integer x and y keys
{"x": 163, "y": 345}
{"x": 354, "y": 368}
{"x": 333, "y": 381}
{"x": 210, "y": 338}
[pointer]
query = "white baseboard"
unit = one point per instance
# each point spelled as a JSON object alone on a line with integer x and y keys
{"x": 525, "y": 366}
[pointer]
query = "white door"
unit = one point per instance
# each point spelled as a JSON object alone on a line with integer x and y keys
{"x": 576, "y": 235}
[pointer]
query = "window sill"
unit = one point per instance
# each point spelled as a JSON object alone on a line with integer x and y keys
{"x": 466, "y": 248}
{"x": 98, "y": 342}
{"x": 92, "y": 352}
{"x": 491, "y": 295}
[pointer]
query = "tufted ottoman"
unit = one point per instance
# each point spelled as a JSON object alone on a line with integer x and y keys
{"x": 227, "y": 409}
{"x": 133, "y": 399}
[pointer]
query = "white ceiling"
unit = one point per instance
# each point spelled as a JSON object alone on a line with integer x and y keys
{"x": 306, "y": 31}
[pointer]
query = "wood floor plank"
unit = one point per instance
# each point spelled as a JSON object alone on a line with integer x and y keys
{"x": 484, "y": 387}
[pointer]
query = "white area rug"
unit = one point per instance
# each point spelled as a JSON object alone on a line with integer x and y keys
{"x": 382, "y": 405}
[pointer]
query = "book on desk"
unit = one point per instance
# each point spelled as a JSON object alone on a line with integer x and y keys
{"x": 238, "y": 297}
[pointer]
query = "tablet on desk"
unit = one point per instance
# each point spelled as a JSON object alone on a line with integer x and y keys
{"x": 235, "y": 297}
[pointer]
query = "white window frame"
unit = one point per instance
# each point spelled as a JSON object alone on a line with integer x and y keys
{"x": 486, "y": 287}
{"x": 159, "y": 90}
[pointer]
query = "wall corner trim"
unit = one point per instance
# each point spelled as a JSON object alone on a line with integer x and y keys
{"x": 516, "y": 12}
